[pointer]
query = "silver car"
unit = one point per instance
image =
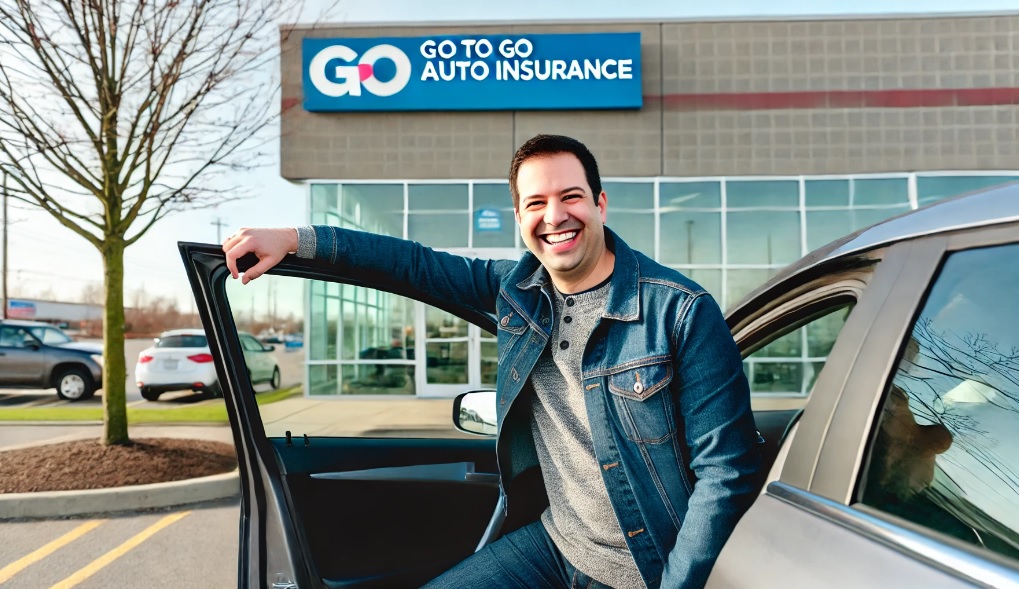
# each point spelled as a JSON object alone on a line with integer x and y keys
{"x": 36, "y": 355}
{"x": 888, "y": 370}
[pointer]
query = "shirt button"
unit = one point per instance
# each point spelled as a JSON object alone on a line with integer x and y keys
{"x": 564, "y": 344}
{"x": 569, "y": 301}
{"x": 568, "y": 319}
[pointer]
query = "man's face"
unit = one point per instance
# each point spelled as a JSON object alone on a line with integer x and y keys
{"x": 559, "y": 220}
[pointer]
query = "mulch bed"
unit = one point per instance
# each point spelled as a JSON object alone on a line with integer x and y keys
{"x": 87, "y": 464}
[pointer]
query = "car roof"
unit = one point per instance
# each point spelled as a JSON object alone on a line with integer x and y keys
{"x": 994, "y": 206}
{"x": 26, "y": 323}
{"x": 184, "y": 331}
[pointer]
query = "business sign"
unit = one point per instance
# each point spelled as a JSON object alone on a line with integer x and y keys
{"x": 488, "y": 220}
{"x": 484, "y": 72}
{"x": 20, "y": 309}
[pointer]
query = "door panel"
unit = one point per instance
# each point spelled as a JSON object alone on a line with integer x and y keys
{"x": 792, "y": 540}
{"x": 322, "y": 511}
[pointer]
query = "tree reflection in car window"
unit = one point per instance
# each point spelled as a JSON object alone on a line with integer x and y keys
{"x": 946, "y": 451}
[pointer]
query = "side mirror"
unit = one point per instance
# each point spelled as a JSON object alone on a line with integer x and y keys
{"x": 474, "y": 413}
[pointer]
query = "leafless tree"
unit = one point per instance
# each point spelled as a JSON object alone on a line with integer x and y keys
{"x": 114, "y": 114}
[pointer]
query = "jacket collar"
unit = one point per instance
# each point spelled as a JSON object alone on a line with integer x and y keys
{"x": 624, "y": 293}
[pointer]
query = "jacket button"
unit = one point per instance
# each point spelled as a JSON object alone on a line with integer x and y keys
{"x": 544, "y": 320}
{"x": 638, "y": 388}
{"x": 504, "y": 322}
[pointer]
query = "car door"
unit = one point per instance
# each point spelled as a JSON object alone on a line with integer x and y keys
{"x": 877, "y": 487}
{"x": 22, "y": 357}
{"x": 391, "y": 506}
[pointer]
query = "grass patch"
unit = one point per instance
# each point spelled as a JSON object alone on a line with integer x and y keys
{"x": 206, "y": 413}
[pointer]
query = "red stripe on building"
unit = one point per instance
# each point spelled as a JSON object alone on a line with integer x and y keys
{"x": 839, "y": 99}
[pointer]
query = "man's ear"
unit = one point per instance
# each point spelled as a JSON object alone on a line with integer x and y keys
{"x": 602, "y": 204}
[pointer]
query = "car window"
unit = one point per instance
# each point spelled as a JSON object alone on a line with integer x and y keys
{"x": 377, "y": 348}
{"x": 250, "y": 344}
{"x": 50, "y": 335}
{"x": 14, "y": 337}
{"x": 945, "y": 451}
{"x": 182, "y": 341}
{"x": 790, "y": 360}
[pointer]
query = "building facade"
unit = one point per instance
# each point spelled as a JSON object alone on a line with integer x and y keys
{"x": 753, "y": 143}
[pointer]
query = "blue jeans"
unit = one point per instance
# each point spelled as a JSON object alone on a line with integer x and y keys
{"x": 524, "y": 559}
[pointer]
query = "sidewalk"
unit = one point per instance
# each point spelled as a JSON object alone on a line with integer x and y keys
{"x": 345, "y": 417}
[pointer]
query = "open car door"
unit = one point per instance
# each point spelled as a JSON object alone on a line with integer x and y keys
{"x": 336, "y": 495}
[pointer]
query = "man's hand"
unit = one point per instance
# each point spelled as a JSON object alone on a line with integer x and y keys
{"x": 269, "y": 245}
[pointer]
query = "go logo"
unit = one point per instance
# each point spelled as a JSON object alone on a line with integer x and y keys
{"x": 350, "y": 78}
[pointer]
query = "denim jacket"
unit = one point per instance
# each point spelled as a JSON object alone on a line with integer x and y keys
{"x": 668, "y": 403}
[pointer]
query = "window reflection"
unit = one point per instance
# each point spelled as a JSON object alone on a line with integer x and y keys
{"x": 438, "y": 215}
{"x": 946, "y": 452}
{"x": 934, "y": 188}
{"x": 880, "y": 191}
{"x": 691, "y": 238}
{"x": 762, "y": 193}
{"x": 763, "y": 237}
{"x": 690, "y": 195}
{"x": 494, "y": 222}
{"x": 631, "y": 213}
{"x": 826, "y": 193}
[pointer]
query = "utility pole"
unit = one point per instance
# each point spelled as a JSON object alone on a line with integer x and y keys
{"x": 219, "y": 225}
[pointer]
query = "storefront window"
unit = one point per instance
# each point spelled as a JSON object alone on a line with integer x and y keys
{"x": 826, "y": 193}
{"x": 374, "y": 207}
{"x": 631, "y": 213}
{"x": 880, "y": 191}
{"x": 763, "y": 237}
{"x": 690, "y": 195}
{"x": 494, "y": 222}
{"x": 934, "y": 188}
{"x": 324, "y": 207}
{"x": 438, "y": 214}
{"x": 691, "y": 238}
{"x": 748, "y": 194}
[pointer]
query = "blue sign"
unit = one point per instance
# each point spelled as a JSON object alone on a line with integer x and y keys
{"x": 484, "y": 72}
{"x": 488, "y": 220}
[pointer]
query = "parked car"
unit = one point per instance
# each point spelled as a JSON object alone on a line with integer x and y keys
{"x": 36, "y": 355}
{"x": 181, "y": 360}
{"x": 895, "y": 465}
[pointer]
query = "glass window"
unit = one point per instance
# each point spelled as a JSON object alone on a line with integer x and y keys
{"x": 50, "y": 336}
{"x": 880, "y": 191}
{"x": 740, "y": 282}
{"x": 709, "y": 280}
{"x": 690, "y": 195}
{"x": 631, "y": 213}
{"x": 182, "y": 341}
{"x": 691, "y": 238}
{"x": 826, "y": 193}
{"x": 945, "y": 454}
{"x": 781, "y": 365}
{"x": 438, "y": 215}
{"x": 745, "y": 194}
{"x": 374, "y": 207}
{"x": 861, "y": 218}
{"x": 763, "y": 237}
{"x": 933, "y": 188}
{"x": 824, "y": 227}
{"x": 324, "y": 198}
{"x": 494, "y": 222}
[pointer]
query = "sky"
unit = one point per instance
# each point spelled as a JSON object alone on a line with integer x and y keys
{"x": 45, "y": 258}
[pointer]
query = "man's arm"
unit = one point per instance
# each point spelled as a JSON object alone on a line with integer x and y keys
{"x": 714, "y": 405}
{"x": 466, "y": 281}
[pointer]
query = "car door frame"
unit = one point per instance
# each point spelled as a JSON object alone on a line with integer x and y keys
{"x": 814, "y": 496}
{"x": 262, "y": 494}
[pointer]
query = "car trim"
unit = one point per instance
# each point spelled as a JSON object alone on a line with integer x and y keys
{"x": 985, "y": 569}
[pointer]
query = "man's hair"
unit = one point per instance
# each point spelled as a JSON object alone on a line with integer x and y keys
{"x": 547, "y": 145}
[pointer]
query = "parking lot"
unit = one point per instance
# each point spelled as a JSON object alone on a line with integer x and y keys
{"x": 193, "y": 546}
{"x": 291, "y": 365}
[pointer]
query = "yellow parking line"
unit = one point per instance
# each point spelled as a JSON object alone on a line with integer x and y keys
{"x": 96, "y": 565}
{"x": 24, "y": 562}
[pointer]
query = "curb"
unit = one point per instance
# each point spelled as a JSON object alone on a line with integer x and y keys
{"x": 48, "y": 504}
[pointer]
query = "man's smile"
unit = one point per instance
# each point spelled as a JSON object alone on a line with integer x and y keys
{"x": 557, "y": 238}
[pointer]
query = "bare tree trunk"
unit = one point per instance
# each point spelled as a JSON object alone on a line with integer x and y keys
{"x": 114, "y": 363}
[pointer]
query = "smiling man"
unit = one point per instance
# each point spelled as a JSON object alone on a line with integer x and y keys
{"x": 618, "y": 377}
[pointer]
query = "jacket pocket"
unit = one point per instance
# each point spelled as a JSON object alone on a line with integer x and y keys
{"x": 642, "y": 400}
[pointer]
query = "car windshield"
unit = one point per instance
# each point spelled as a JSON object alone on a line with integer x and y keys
{"x": 182, "y": 341}
{"x": 50, "y": 335}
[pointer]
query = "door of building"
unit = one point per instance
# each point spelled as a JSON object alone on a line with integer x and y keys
{"x": 455, "y": 356}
